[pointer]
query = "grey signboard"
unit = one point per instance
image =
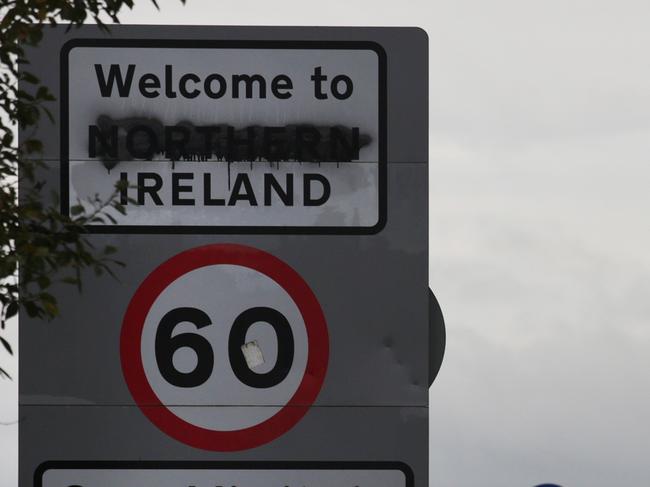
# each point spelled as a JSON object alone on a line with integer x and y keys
{"x": 272, "y": 321}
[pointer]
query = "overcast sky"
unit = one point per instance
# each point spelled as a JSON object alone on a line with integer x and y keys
{"x": 540, "y": 146}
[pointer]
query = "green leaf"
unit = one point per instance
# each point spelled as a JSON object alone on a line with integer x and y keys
{"x": 12, "y": 310}
{"x": 47, "y": 297}
{"x": 33, "y": 145}
{"x": 23, "y": 94}
{"x": 51, "y": 308}
{"x": 43, "y": 282}
{"x": 120, "y": 208}
{"x": 5, "y": 343}
{"x": 29, "y": 78}
{"x": 36, "y": 34}
{"x": 41, "y": 251}
{"x": 32, "y": 309}
{"x": 49, "y": 113}
{"x": 42, "y": 93}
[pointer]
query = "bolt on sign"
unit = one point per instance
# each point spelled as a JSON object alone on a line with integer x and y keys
{"x": 272, "y": 325}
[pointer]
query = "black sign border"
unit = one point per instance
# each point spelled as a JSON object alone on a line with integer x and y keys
{"x": 237, "y": 44}
{"x": 236, "y": 465}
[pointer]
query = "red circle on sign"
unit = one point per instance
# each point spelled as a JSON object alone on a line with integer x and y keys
{"x": 230, "y": 254}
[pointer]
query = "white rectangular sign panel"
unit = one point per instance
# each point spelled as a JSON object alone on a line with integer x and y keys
{"x": 244, "y": 474}
{"x": 226, "y": 136}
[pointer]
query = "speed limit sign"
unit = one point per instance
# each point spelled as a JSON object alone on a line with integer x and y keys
{"x": 224, "y": 325}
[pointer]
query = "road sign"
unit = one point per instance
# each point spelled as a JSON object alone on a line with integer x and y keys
{"x": 233, "y": 297}
{"x": 272, "y": 320}
{"x": 253, "y": 474}
{"x": 146, "y": 101}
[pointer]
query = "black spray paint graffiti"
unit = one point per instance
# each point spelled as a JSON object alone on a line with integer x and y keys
{"x": 141, "y": 138}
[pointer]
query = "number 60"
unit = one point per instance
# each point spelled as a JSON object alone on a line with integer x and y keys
{"x": 167, "y": 344}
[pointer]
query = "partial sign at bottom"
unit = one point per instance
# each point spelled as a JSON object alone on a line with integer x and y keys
{"x": 230, "y": 474}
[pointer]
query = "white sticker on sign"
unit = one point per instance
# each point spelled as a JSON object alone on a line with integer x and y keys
{"x": 214, "y": 136}
{"x": 253, "y": 354}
